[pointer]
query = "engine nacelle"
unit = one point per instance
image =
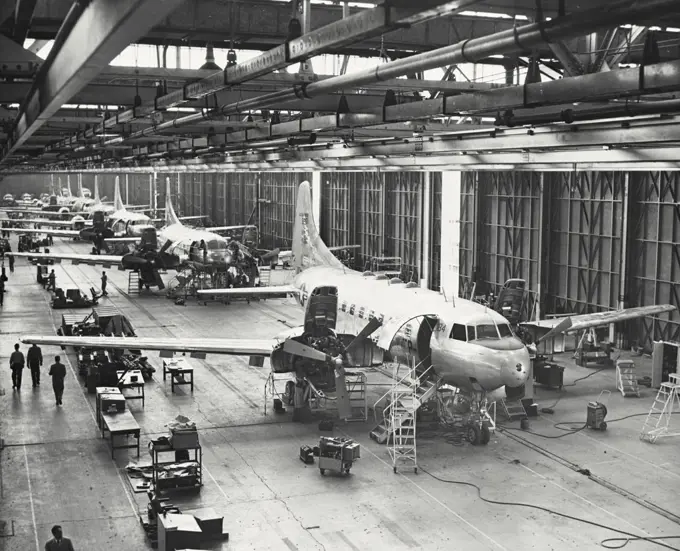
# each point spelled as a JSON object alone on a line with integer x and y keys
{"x": 78, "y": 222}
{"x": 64, "y": 210}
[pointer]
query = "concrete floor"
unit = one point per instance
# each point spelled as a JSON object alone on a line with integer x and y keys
{"x": 56, "y": 469}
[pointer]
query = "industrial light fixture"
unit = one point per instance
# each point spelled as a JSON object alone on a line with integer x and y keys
{"x": 210, "y": 64}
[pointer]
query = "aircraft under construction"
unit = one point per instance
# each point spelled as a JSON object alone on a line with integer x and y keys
{"x": 172, "y": 247}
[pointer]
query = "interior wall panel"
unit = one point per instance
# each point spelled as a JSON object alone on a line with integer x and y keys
{"x": 370, "y": 217}
{"x": 435, "y": 253}
{"x": 654, "y": 264}
{"x": 510, "y": 227}
{"x": 468, "y": 224}
{"x": 338, "y": 191}
{"x": 403, "y": 232}
{"x": 586, "y": 230}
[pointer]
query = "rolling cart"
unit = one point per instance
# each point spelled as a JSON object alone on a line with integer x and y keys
{"x": 597, "y": 411}
{"x": 337, "y": 454}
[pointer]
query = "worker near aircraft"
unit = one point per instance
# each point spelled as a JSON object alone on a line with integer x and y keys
{"x": 59, "y": 542}
{"x": 35, "y": 360}
{"x": 104, "y": 281}
{"x": 16, "y": 364}
{"x": 58, "y": 374}
{"x": 11, "y": 264}
{"x": 51, "y": 281}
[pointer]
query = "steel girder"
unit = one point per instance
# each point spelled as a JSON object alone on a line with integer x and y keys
{"x": 373, "y": 22}
{"x": 103, "y": 30}
{"x": 23, "y": 14}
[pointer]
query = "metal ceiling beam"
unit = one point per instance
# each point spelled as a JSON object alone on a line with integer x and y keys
{"x": 510, "y": 42}
{"x": 103, "y": 30}
{"x": 23, "y": 14}
{"x": 631, "y": 39}
{"x": 614, "y": 159}
{"x": 571, "y": 64}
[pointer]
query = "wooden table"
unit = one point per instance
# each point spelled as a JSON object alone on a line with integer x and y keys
{"x": 176, "y": 369}
{"x": 125, "y": 380}
{"x": 121, "y": 424}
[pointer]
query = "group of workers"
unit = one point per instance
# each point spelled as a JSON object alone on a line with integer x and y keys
{"x": 34, "y": 358}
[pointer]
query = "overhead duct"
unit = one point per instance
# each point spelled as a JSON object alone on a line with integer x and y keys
{"x": 508, "y": 42}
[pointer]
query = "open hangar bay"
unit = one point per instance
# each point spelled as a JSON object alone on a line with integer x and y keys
{"x": 473, "y": 165}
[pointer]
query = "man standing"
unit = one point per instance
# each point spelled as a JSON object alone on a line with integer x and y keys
{"x": 35, "y": 360}
{"x": 16, "y": 364}
{"x": 2, "y": 291}
{"x": 11, "y": 263}
{"x": 58, "y": 373}
{"x": 59, "y": 542}
{"x": 104, "y": 280}
{"x": 51, "y": 281}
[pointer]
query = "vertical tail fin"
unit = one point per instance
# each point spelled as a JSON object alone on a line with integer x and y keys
{"x": 170, "y": 216}
{"x": 117, "y": 199}
{"x": 68, "y": 187}
{"x": 96, "y": 190}
{"x": 80, "y": 188}
{"x": 308, "y": 248}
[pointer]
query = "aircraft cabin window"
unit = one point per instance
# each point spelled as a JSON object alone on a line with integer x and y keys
{"x": 458, "y": 333}
{"x": 504, "y": 330}
{"x": 487, "y": 332}
{"x": 470, "y": 333}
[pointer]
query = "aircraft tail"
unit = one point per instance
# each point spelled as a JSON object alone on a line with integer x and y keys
{"x": 80, "y": 189}
{"x": 117, "y": 199}
{"x": 96, "y": 191}
{"x": 308, "y": 247}
{"x": 170, "y": 216}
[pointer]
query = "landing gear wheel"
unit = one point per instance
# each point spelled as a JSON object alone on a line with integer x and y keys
{"x": 603, "y": 426}
{"x": 486, "y": 434}
{"x": 290, "y": 393}
{"x": 473, "y": 434}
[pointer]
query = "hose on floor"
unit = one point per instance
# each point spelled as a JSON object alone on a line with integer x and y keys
{"x": 607, "y": 543}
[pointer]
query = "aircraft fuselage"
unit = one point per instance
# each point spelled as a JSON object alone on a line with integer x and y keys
{"x": 485, "y": 363}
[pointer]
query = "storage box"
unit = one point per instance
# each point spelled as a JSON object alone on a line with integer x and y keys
{"x": 351, "y": 452}
{"x": 185, "y": 439}
{"x": 112, "y": 403}
{"x": 209, "y": 521}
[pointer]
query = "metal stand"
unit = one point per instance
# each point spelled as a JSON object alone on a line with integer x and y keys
{"x": 657, "y": 423}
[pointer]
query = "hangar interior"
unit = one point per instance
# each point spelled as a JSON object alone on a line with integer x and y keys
{"x": 467, "y": 143}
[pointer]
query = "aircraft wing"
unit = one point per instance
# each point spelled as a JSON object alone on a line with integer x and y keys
{"x": 121, "y": 240}
{"x": 53, "y": 223}
{"x": 274, "y": 290}
{"x": 89, "y": 259}
{"x": 225, "y": 228}
{"x": 46, "y": 231}
{"x": 196, "y": 347}
{"x": 570, "y": 324}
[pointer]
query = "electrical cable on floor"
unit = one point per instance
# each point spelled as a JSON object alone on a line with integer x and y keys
{"x": 574, "y": 384}
{"x": 604, "y": 543}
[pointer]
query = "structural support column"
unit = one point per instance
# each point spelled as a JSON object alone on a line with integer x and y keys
{"x": 426, "y": 214}
{"x": 542, "y": 259}
{"x": 316, "y": 198}
{"x": 623, "y": 268}
{"x": 450, "y": 254}
{"x": 127, "y": 189}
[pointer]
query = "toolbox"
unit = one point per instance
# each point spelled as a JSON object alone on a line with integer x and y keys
{"x": 184, "y": 439}
{"x": 112, "y": 403}
{"x": 101, "y": 391}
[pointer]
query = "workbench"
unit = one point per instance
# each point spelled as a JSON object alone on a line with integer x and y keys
{"x": 178, "y": 369}
{"x": 132, "y": 379}
{"x": 121, "y": 424}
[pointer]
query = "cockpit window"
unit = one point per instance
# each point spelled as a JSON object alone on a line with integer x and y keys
{"x": 487, "y": 332}
{"x": 215, "y": 245}
{"x": 458, "y": 332}
{"x": 504, "y": 330}
{"x": 471, "y": 333}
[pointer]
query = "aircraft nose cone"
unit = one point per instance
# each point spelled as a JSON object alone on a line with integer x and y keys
{"x": 515, "y": 368}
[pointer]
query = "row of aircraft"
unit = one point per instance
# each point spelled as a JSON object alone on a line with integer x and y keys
{"x": 354, "y": 319}
{"x": 173, "y": 246}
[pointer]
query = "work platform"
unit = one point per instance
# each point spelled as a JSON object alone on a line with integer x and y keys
{"x": 56, "y": 469}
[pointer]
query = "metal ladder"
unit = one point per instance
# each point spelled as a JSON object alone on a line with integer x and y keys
{"x": 406, "y": 396}
{"x": 134, "y": 286}
{"x": 513, "y": 409}
{"x": 626, "y": 381}
{"x": 658, "y": 419}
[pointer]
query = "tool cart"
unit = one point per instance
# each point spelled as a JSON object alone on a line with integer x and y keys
{"x": 337, "y": 454}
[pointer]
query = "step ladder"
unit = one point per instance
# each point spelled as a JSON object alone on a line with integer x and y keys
{"x": 355, "y": 383}
{"x": 513, "y": 409}
{"x": 626, "y": 380}
{"x": 265, "y": 275}
{"x": 657, "y": 423}
{"x": 409, "y": 392}
{"x": 134, "y": 285}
